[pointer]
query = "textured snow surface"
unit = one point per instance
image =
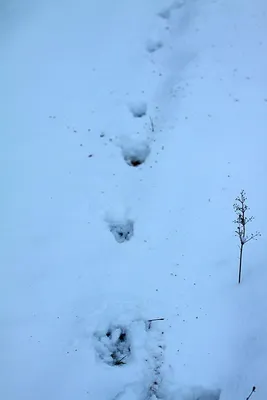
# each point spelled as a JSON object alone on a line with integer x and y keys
{"x": 128, "y": 128}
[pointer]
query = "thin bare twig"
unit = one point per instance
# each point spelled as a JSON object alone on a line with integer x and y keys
{"x": 152, "y": 124}
{"x": 155, "y": 319}
{"x": 120, "y": 361}
{"x": 152, "y": 320}
{"x": 251, "y": 393}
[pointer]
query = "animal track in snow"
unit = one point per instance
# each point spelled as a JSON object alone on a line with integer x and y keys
{"x": 135, "y": 152}
{"x": 113, "y": 346}
{"x": 122, "y": 230}
{"x": 152, "y": 45}
{"x": 166, "y": 12}
{"x": 138, "y": 109}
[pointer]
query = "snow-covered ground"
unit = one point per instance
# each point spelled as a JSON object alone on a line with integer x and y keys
{"x": 127, "y": 130}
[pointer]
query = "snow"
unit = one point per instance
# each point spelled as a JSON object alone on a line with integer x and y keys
{"x": 141, "y": 121}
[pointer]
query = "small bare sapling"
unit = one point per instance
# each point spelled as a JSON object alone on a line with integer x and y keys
{"x": 241, "y": 221}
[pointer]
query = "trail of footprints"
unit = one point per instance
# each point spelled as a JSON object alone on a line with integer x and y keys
{"x": 135, "y": 151}
{"x": 115, "y": 346}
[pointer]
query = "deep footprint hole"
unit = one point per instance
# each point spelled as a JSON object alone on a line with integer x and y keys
{"x": 136, "y": 154}
{"x": 138, "y": 109}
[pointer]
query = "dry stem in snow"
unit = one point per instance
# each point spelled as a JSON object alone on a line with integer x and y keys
{"x": 240, "y": 208}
